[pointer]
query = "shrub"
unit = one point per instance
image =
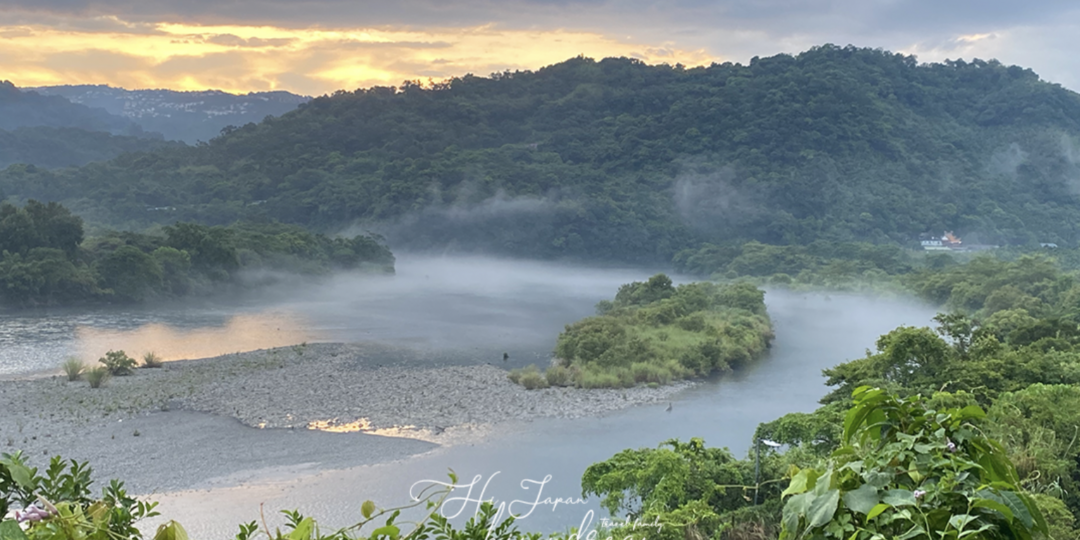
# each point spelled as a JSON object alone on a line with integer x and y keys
{"x": 650, "y": 373}
{"x": 151, "y": 360}
{"x": 559, "y": 376}
{"x": 73, "y": 368}
{"x": 532, "y": 379}
{"x": 97, "y": 376}
{"x": 118, "y": 363}
{"x": 598, "y": 379}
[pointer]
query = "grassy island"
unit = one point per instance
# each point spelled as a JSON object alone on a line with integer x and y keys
{"x": 654, "y": 333}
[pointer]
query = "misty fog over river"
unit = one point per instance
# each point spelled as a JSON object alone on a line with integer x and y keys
{"x": 462, "y": 311}
{"x": 470, "y": 309}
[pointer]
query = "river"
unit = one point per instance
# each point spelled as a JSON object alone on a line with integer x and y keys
{"x": 473, "y": 310}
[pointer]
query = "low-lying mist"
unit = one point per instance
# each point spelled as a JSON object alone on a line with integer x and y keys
{"x": 457, "y": 303}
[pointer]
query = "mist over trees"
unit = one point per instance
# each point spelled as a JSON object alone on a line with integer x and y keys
{"x": 617, "y": 160}
{"x": 46, "y": 258}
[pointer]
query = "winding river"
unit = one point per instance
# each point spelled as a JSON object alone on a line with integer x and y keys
{"x": 472, "y": 310}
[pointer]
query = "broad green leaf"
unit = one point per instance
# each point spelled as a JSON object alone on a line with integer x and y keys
{"x": 21, "y": 474}
{"x": 794, "y": 509}
{"x": 10, "y": 530}
{"x": 1019, "y": 509}
{"x": 303, "y": 530}
{"x": 877, "y": 479}
{"x": 994, "y": 505}
{"x": 822, "y": 508}
{"x": 367, "y": 509}
{"x": 804, "y": 480}
{"x": 386, "y": 530}
{"x": 899, "y": 497}
{"x": 877, "y": 510}
{"x": 862, "y": 500}
{"x": 972, "y": 411}
{"x": 170, "y": 531}
{"x": 1033, "y": 509}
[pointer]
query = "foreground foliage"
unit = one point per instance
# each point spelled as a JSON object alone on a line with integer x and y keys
{"x": 908, "y": 472}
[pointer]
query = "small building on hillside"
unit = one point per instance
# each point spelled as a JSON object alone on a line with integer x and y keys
{"x": 951, "y": 242}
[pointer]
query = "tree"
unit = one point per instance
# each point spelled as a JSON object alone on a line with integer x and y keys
{"x": 130, "y": 273}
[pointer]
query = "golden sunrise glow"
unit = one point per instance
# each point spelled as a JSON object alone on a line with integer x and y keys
{"x": 309, "y": 61}
{"x": 238, "y": 334}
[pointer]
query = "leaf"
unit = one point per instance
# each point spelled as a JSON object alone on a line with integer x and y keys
{"x": 21, "y": 474}
{"x": 10, "y": 530}
{"x": 303, "y": 530}
{"x": 1040, "y": 520}
{"x": 959, "y": 521}
{"x": 386, "y": 530}
{"x": 914, "y": 531}
{"x": 822, "y": 508}
{"x": 801, "y": 482}
{"x": 170, "y": 531}
{"x": 794, "y": 509}
{"x": 899, "y": 497}
{"x": 1019, "y": 509}
{"x": 994, "y": 505}
{"x": 967, "y": 533}
{"x": 367, "y": 509}
{"x": 972, "y": 411}
{"x": 877, "y": 510}
{"x": 862, "y": 500}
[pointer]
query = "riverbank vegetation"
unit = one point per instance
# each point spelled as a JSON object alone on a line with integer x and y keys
{"x": 912, "y": 441}
{"x": 46, "y": 258}
{"x": 654, "y": 332}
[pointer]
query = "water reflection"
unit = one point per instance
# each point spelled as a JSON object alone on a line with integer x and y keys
{"x": 240, "y": 333}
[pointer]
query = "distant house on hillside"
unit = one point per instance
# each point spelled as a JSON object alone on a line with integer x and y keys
{"x": 951, "y": 242}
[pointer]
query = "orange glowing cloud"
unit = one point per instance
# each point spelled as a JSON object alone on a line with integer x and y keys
{"x": 312, "y": 61}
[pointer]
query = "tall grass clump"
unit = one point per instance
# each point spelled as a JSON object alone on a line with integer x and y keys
{"x": 97, "y": 376}
{"x": 559, "y": 376}
{"x": 151, "y": 360}
{"x": 530, "y": 378}
{"x": 73, "y": 368}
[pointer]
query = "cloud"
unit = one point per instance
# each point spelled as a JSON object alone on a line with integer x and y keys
{"x": 230, "y": 40}
{"x": 246, "y": 58}
{"x": 438, "y": 38}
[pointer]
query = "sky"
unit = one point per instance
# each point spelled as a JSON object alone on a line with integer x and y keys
{"x": 315, "y": 47}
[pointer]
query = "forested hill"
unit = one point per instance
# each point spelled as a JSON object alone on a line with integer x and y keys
{"x": 615, "y": 159}
{"x": 30, "y": 109}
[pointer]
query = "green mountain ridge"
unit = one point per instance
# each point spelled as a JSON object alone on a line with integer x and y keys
{"x": 618, "y": 160}
{"x": 54, "y": 147}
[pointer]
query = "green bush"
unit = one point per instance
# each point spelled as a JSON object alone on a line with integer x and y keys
{"x": 559, "y": 376}
{"x": 118, "y": 363}
{"x": 73, "y": 368}
{"x": 97, "y": 376}
{"x": 532, "y": 379}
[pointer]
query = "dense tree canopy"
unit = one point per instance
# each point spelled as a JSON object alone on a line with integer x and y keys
{"x": 45, "y": 260}
{"x": 615, "y": 159}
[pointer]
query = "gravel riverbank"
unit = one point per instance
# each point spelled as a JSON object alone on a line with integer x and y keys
{"x": 216, "y": 421}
